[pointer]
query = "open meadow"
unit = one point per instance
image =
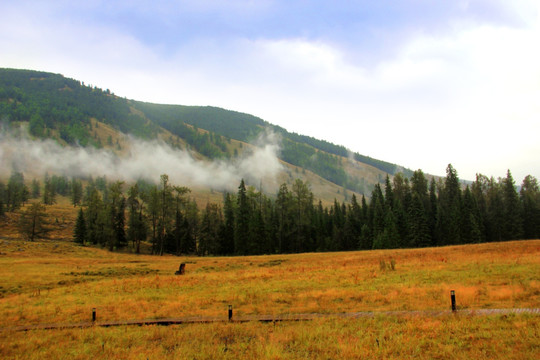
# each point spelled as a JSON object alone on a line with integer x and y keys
{"x": 59, "y": 282}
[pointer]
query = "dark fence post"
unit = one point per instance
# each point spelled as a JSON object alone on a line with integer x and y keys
{"x": 181, "y": 269}
{"x": 230, "y": 312}
{"x": 453, "y": 299}
{"x": 94, "y": 315}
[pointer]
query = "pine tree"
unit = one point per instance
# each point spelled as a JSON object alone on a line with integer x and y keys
{"x": 241, "y": 233}
{"x": 16, "y": 193}
{"x": 449, "y": 212}
{"x": 79, "y": 233}
{"x": 303, "y": 209}
{"x": 479, "y": 190}
{"x": 495, "y": 211}
{"x": 470, "y": 219}
{"x": 211, "y": 223}
{"x": 227, "y": 232}
{"x": 530, "y": 202}
{"x": 513, "y": 226}
{"x": 419, "y": 233}
{"x": 284, "y": 209}
{"x": 377, "y": 214}
{"x": 115, "y": 224}
{"x": 433, "y": 214}
{"x": 93, "y": 217}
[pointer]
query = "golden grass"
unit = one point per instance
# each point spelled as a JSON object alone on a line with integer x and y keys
{"x": 59, "y": 282}
{"x": 449, "y": 337}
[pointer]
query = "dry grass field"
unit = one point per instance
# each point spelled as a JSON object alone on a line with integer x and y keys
{"x": 59, "y": 282}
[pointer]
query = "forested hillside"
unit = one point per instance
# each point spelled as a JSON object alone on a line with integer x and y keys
{"x": 62, "y": 108}
{"x": 397, "y": 210}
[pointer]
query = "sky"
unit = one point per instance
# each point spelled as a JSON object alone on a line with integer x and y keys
{"x": 419, "y": 83}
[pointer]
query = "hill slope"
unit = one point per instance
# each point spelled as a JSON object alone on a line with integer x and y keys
{"x": 71, "y": 112}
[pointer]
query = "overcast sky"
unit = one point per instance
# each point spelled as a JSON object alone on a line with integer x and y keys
{"x": 417, "y": 83}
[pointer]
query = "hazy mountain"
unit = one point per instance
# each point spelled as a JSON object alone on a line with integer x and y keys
{"x": 74, "y": 128}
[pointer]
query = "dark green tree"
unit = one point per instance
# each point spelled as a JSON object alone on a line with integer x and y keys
{"x": 284, "y": 215}
{"x": 227, "y": 231}
{"x": 211, "y": 223}
{"x": 242, "y": 216}
{"x": 79, "y": 233}
{"x": 303, "y": 209}
{"x": 449, "y": 211}
{"x": 530, "y": 202}
{"x": 513, "y": 225}
{"x": 471, "y": 231}
{"x": 16, "y": 193}
{"x": 419, "y": 232}
{"x": 495, "y": 211}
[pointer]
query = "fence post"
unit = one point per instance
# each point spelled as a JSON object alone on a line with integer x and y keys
{"x": 94, "y": 315}
{"x": 453, "y": 299}
{"x": 230, "y": 312}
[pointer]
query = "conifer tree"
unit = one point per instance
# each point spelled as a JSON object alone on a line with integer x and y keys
{"x": 495, "y": 211}
{"x": 513, "y": 226}
{"x": 16, "y": 193}
{"x": 449, "y": 212}
{"x": 419, "y": 232}
{"x": 210, "y": 226}
{"x": 93, "y": 217}
{"x": 79, "y": 233}
{"x": 530, "y": 200}
{"x": 241, "y": 234}
{"x": 303, "y": 208}
{"x": 284, "y": 214}
{"x": 227, "y": 232}
{"x": 470, "y": 219}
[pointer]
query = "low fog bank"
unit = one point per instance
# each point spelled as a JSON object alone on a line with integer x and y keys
{"x": 145, "y": 160}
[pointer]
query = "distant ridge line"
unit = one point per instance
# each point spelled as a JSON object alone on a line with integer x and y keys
{"x": 273, "y": 318}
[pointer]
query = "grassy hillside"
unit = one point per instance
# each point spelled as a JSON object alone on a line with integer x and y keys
{"x": 59, "y": 282}
{"x": 52, "y": 106}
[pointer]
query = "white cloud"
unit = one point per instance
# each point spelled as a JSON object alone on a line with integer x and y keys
{"x": 144, "y": 160}
{"x": 469, "y": 96}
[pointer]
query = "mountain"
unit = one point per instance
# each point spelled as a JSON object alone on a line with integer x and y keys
{"x": 56, "y": 107}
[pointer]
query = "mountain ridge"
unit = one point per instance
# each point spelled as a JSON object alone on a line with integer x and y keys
{"x": 69, "y": 111}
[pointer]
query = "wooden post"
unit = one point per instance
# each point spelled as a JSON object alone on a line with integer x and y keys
{"x": 230, "y": 312}
{"x": 181, "y": 269}
{"x": 94, "y": 315}
{"x": 453, "y": 299}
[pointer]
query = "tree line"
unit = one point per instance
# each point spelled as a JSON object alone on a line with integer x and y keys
{"x": 402, "y": 212}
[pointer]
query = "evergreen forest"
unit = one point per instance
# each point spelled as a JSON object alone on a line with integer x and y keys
{"x": 403, "y": 213}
